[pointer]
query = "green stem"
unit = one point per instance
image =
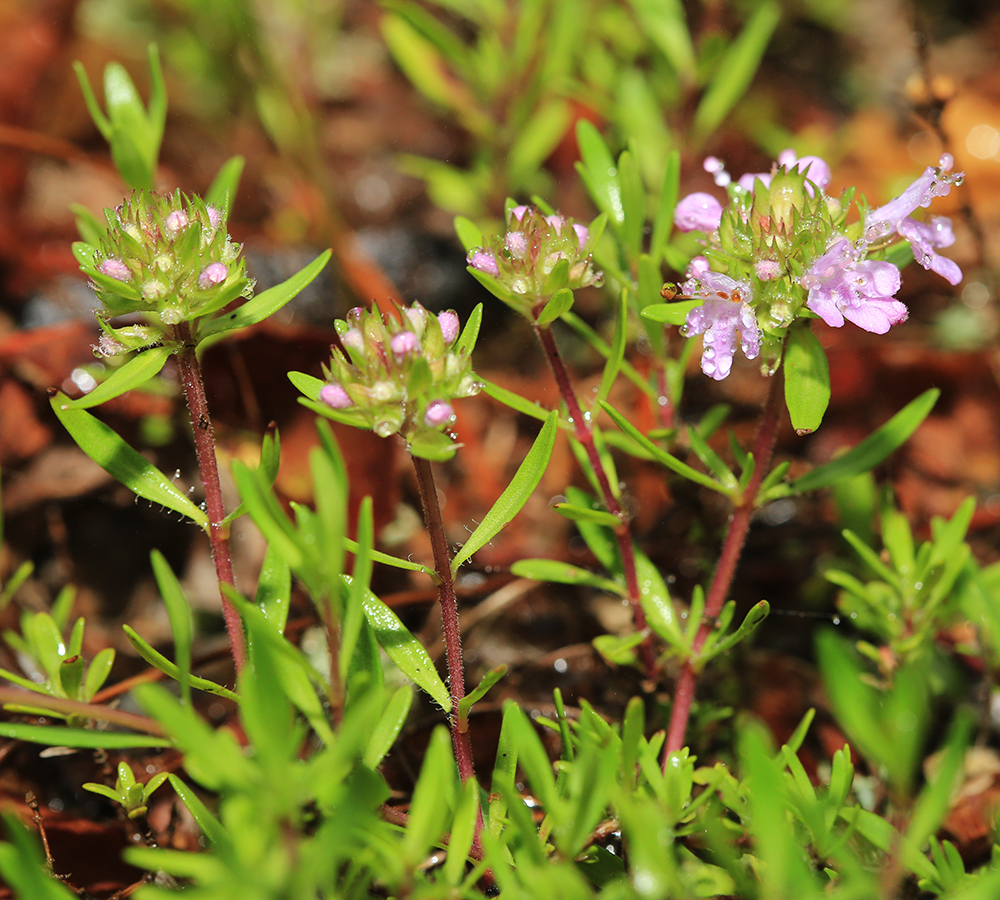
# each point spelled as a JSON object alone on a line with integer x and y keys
{"x": 584, "y": 433}
{"x": 729, "y": 556}
{"x": 204, "y": 442}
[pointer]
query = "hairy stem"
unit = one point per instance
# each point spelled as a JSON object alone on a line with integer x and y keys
{"x": 449, "y": 617}
{"x": 623, "y": 533}
{"x": 729, "y": 556}
{"x": 204, "y": 442}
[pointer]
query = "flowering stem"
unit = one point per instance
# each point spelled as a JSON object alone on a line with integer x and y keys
{"x": 449, "y": 617}
{"x": 204, "y": 442}
{"x": 722, "y": 579}
{"x": 623, "y": 533}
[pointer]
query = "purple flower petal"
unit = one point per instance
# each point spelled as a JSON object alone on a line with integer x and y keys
{"x": 698, "y": 212}
{"x": 842, "y": 287}
{"x": 582, "y": 234}
{"x": 935, "y": 182}
{"x": 723, "y": 317}
{"x": 924, "y": 237}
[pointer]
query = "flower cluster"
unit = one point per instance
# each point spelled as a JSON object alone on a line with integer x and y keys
{"x": 782, "y": 249}
{"x": 167, "y": 258}
{"x": 400, "y": 376}
{"x": 537, "y": 256}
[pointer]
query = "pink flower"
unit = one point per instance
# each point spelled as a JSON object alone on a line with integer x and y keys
{"x": 841, "y": 286}
{"x": 723, "y": 317}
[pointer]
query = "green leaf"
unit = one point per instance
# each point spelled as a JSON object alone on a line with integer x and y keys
{"x": 117, "y": 458}
{"x": 561, "y": 302}
{"x": 586, "y": 514}
{"x": 181, "y": 623}
{"x": 158, "y": 661}
{"x": 223, "y": 190}
{"x": 537, "y": 138}
{"x": 470, "y": 235}
{"x": 614, "y": 361}
{"x": 515, "y": 401}
{"x": 83, "y": 738}
{"x": 873, "y": 449}
{"x": 664, "y": 23}
{"x": 736, "y": 70}
{"x": 474, "y": 696}
{"x": 421, "y": 62}
{"x": 210, "y": 825}
{"x": 384, "y": 734}
{"x": 752, "y": 621}
{"x": 555, "y": 570}
{"x": 667, "y": 202}
{"x": 515, "y": 495}
{"x": 262, "y": 305}
{"x": 405, "y": 650}
{"x": 470, "y": 333}
{"x": 660, "y": 455}
{"x": 432, "y": 798}
{"x": 137, "y": 371}
{"x": 599, "y": 172}
{"x": 670, "y": 313}
{"x": 807, "y": 380}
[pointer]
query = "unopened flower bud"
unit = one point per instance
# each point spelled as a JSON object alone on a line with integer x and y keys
{"x": 115, "y": 268}
{"x": 175, "y": 222}
{"x": 767, "y": 269}
{"x": 449, "y": 326}
{"x": 335, "y": 396}
{"x": 211, "y": 275}
{"x": 484, "y": 261}
{"x": 404, "y": 343}
{"x": 438, "y": 413}
{"x": 516, "y": 243}
{"x": 582, "y": 234}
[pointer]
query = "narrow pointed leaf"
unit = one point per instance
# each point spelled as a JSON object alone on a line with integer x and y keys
{"x": 112, "y": 454}
{"x": 136, "y": 372}
{"x": 509, "y": 503}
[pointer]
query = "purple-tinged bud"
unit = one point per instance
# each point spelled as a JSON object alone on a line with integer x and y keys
{"x": 582, "y": 234}
{"x": 717, "y": 169}
{"x": 417, "y": 317}
{"x": 335, "y": 396}
{"x": 115, "y": 268}
{"x": 404, "y": 343}
{"x": 353, "y": 339}
{"x": 438, "y": 413}
{"x": 213, "y": 274}
{"x": 556, "y": 223}
{"x": 518, "y": 212}
{"x": 767, "y": 269}
{"x": 517, "y": 243}
{"x": 175, "y": 222}
{"x": 484, "y": 261}
{"x": 449, "y": 326}
{"x": 214, "y": 216}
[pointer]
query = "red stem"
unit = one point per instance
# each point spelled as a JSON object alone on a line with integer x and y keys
{"x": 204, "y": 442}
{"x": 722, "y": 579}
{"x": 623, "y": 533}
{"x": 449, "y": 618}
